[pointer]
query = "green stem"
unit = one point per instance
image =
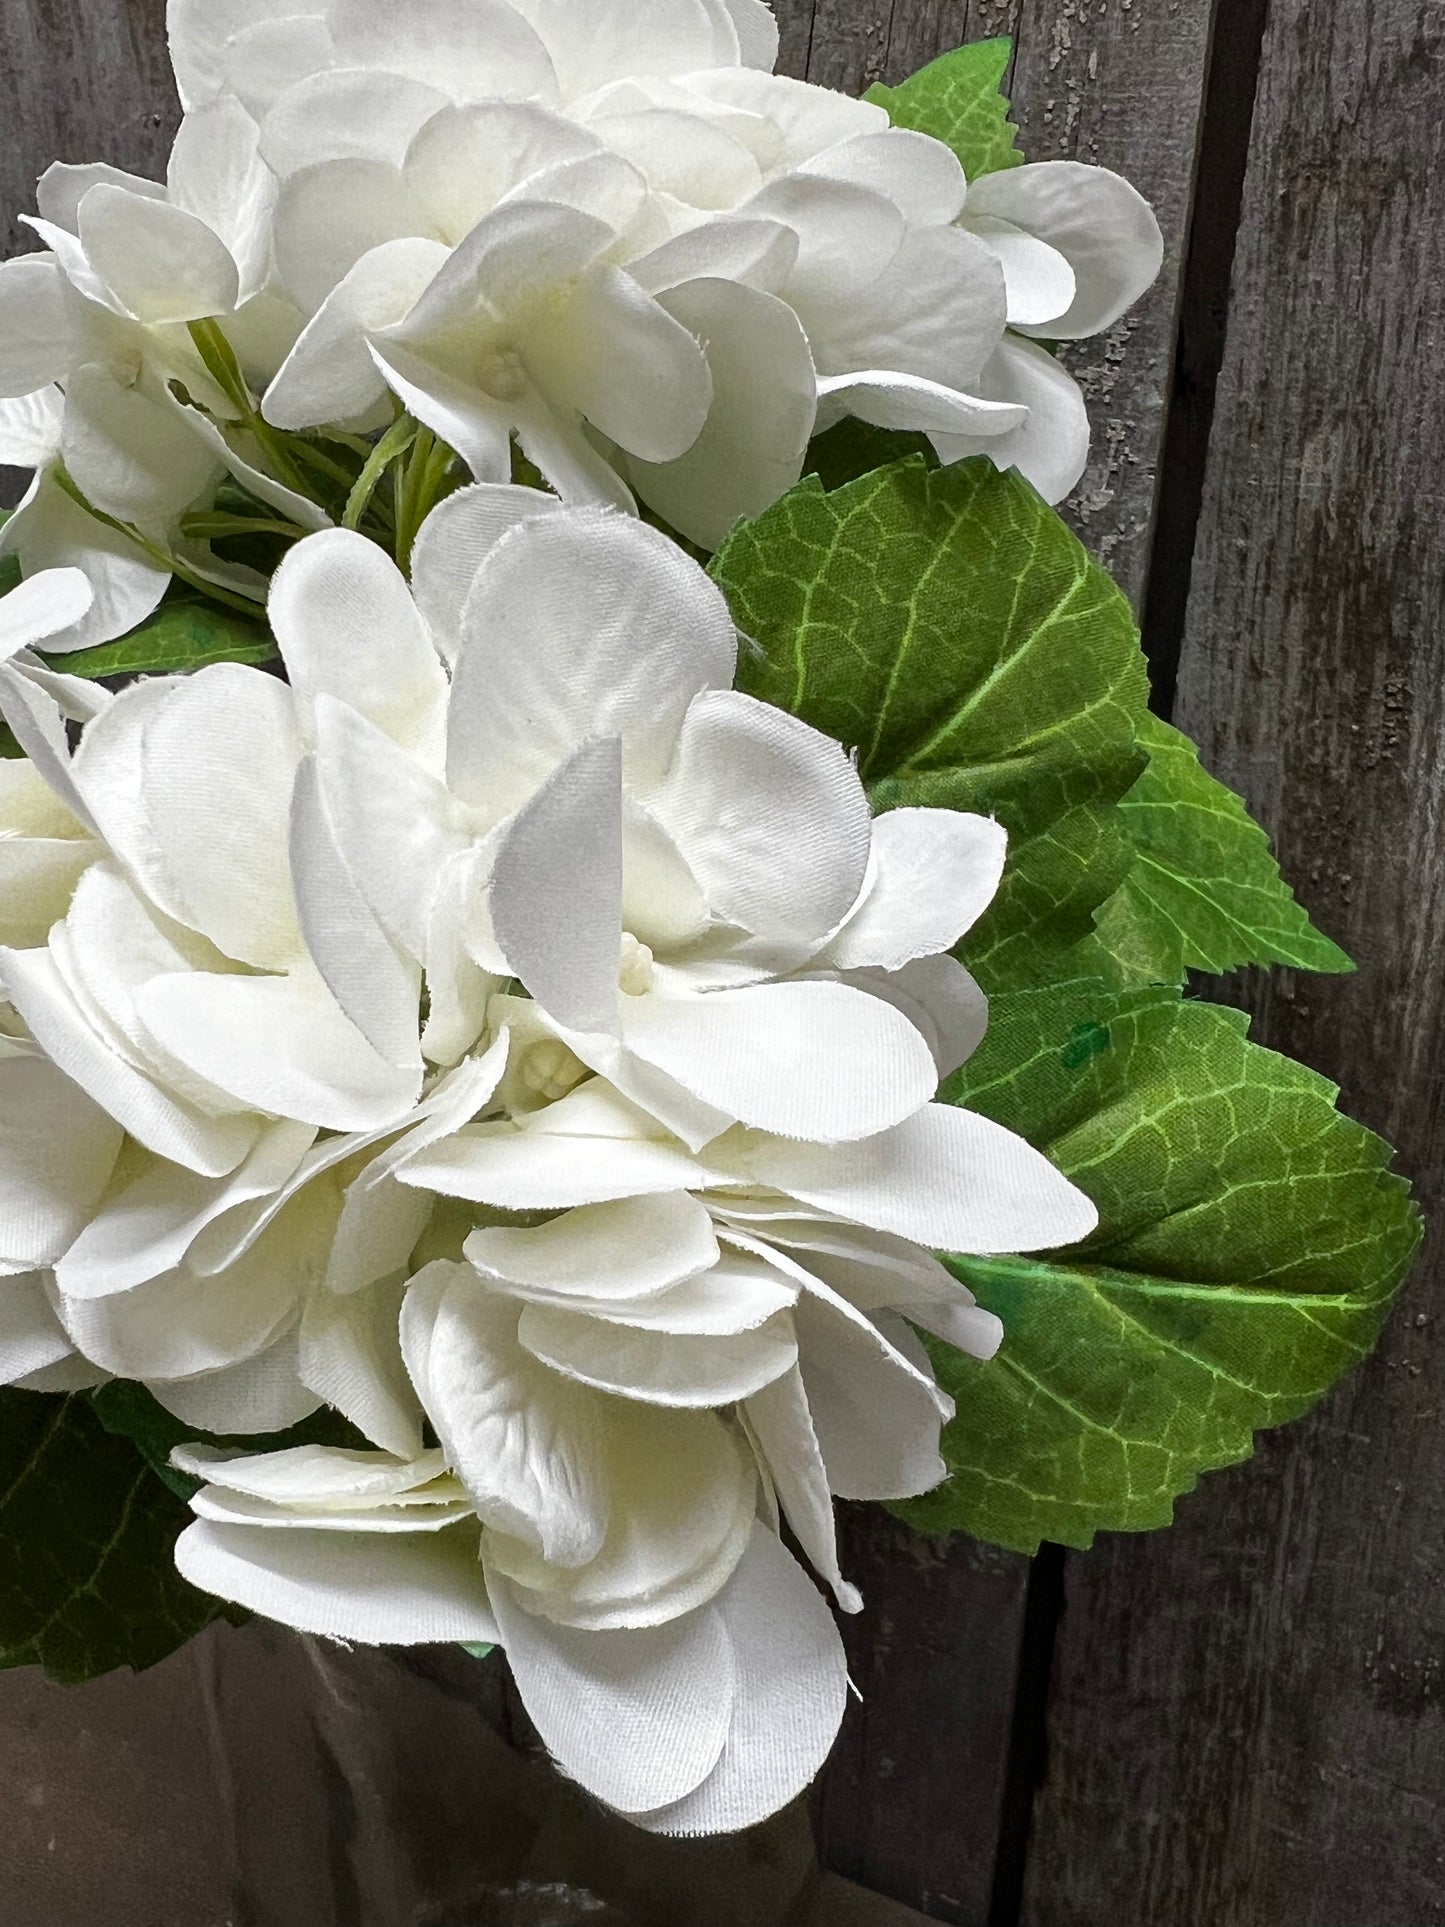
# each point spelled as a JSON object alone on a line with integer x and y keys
{"x": 163, "y": 559}
{"x": 394, "y": 443}
{"x": 409, "y": 509}
{"x": 216, "y": 528}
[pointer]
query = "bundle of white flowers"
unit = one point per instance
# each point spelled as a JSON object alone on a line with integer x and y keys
{"x": 474, "y": 1072}
{"x": 506, "y": 1032}
{"x": 601, "y": 235}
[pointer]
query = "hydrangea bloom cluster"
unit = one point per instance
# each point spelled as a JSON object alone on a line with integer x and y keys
{"x": 507, "y": 1033}
{"x": 599, "y": 235}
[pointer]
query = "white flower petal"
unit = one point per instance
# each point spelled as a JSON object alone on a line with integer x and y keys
{"x": 180, "y": 1325}
{"x": 330, "y": 375}
{"x": 393, "y": 822}
{"x": 1039, "y": 281}
{"x": 455, "y": 540}
{"x": 330, "y": 216}
{"x": 30, "y": 429}
{"x": 268, "y": 56}
{"x": 581, "y": 625}
{"x": 350, "y": 1355}
{"x": 163, "y": 264}
{"x": 618, "y": 357}
{"x": 637, "y": 1717}
{"x": 53, "y": 531}
{"x": 34, "y": 325}
{"x": 460, "y": 46}
{"x": 764, "y": 405}
{"x": 347, "y": 626}
{"x": 946, "y": 1178}
{"x": 57, "y": 1151}
{"x": 923, "y": 178}
{"x": 658, "y": 1368}
{"x": 1102, "y": 226}
{"x": 808, "y": 1060}
{"x": 41, "y": 608}
{"x": 682, "y": 1492}
{"x": 938, "y": 997}
{"x": 529, "y": 1170}
{"x": 278, "y": 1044}
{"x": 201, "y": 33}
{"x": 172, "y": 1129}
{"x": 468, "y": 157}
{"x": 791, "y": 1689}
{"x": 129, "y": 456}
{"x": 406, "y": 1589}
{"x": 1050, "y": 448}
{"x": 347, "y": 114}
{"x": 782, "y": 1427}
{"x": 772, "y": 817}
{"x": 934, "y": 873}
{"x": 526, "y": 1443}
{"x": 216, "y": 173}
{"x": 63, "y": 186}
{"x": 32, "y": 1338}
{"x": 261, "y": 1395}
{"x": 628, "y": 1249}
{"x": 149, "y": 1226}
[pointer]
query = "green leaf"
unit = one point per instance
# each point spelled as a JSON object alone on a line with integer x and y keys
{"x": 948, "y": 627}
{"x": 959, "y": 99}
{"x": 1250, "y": 1243}
{"x": 852, "y": 449}
{"x": 1204, "y": 892}
{"x": 182, "y": 635}
{"x": 87, "y": 1533}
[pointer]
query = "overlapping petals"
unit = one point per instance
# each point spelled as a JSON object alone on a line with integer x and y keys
{"x": 506, "y": 1033}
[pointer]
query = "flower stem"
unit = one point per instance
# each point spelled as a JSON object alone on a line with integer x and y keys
{"x": 394, "y": 443}
{"x": 173, "y": 564}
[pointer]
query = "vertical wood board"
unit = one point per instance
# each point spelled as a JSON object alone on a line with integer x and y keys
{"x": 1248, "y": 1725}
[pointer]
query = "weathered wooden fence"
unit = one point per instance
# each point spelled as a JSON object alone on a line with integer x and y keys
{"x": 1240, "y": 1723}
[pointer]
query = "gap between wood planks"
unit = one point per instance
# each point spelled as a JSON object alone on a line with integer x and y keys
{"x": 1237, "y": 30}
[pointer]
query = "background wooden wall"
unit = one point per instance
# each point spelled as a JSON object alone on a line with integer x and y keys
{"x": 1238, "y": 1723}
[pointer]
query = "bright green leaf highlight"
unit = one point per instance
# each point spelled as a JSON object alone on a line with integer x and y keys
{"x": 1204, "y": 892}
{"x": 181, "y": 636}
{"x": 87, "y": 1532}
{"x": 959, "y": 99}
{"x": 1250, "y": 1244}
{"x": 947, "y": 626}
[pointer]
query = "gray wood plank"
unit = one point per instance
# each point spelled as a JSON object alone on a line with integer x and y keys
{"x": 81, "y": 80}
{"x": 1247, "y": 1724}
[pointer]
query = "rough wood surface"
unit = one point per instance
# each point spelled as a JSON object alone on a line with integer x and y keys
{"x": 1248, "y": 1724}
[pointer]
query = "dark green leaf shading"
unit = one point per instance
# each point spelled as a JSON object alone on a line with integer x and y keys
{"x": 1250, "y": 1244}
{"x": 852, "y": 449}
{"x": 959, "y": 99}
{"x": 183, "y": 634}
{"x": 87, "y": 1532}
{"x": 948, "y": 627}
{"x": 1204, "y": 892}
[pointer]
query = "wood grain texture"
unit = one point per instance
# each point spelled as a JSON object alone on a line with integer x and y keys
{"x": 81, "y": 80}
{"x": 1248, "y": 1723}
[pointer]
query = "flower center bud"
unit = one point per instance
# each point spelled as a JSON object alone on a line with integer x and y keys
{"x": 549, "y": 1070}
{"x": 634, "y": 971}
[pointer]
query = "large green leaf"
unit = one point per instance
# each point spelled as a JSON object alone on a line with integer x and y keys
{"x": 1251, "y": 1241}
{"x": 947, "y": 626}
{"x": 1204, "y": 892}
{"x": 183, "y": 634}
{"x": 87, "y": 1532}
{"x": 958, "y": 98}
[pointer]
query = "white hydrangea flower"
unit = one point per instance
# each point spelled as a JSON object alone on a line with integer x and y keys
{"x": 706, "y": 1721}
{"x": 506, "y": 902}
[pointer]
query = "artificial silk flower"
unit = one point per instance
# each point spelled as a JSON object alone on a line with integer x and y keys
{"x": 703, "y": 1722}
{"x": 1078, "y": 246}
